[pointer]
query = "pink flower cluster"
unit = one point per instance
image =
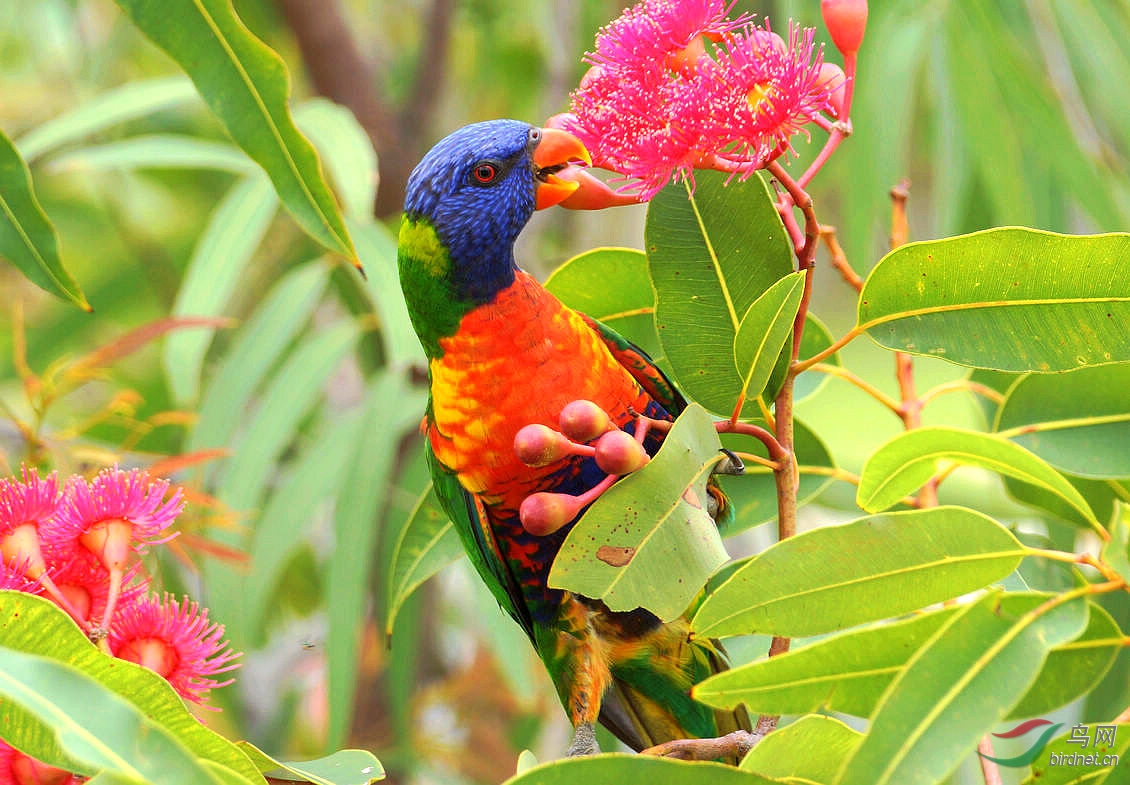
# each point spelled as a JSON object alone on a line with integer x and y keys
{"x": 675, "y": 85}
{"x": 76, "y": 545}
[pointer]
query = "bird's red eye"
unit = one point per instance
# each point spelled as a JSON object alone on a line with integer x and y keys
{"x": 485, "y": 173}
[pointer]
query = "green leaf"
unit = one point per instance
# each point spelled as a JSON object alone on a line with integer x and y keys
{"x": 1072, "y": 769}
{"x": 648, "y": 541}
{"x": 59, "y": 715}
{"x": 1116, "y": 552}
{"x": 318, "y": 474}
{"x": 872, "y": 568}
{"x": 1073, "y": 669}
{"x": 1101, "y": 496}
{"x": 526, "y": 761}
{"x": 905, "y": 463}
{"x": 157, "y": 151}
{"x": 620, "y": 768}
{"x": 764, "y": 331}
{"x": 246, "y": 86}
{"x": 120, "y": 105}
{"x": 846, "y": 673}
{"x": 1079, "y": 422}
{"x": 754, "y": 494}
{"x": 344, "y": 767}
{"x": 849, "y": 673}
{"x": 287, "y": 399}
{"x": 958, "y": 686}
{"x": 427, "y": 543}
{"x": 345, "y": 149}
{"x": 392, "y": 408}
{"x": 27, "y": 238}
{"x": 806, "y": 751}
{"x": 1009, "y": 299}
{"x": 612, "y": 286}
{"x": 36, "y": 626}
{"x": 234, "y": 231}
{"x": 710, "y": 257}
{"x": 258, "y": 345}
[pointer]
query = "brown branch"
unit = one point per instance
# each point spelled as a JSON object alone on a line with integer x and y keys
{"x": 839, "y": 258}
{"x": 340, "y": 72}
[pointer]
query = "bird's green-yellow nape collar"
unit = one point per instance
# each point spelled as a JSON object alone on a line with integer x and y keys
{"x": 434, "y": 304}
{"x": 418, "y": 240}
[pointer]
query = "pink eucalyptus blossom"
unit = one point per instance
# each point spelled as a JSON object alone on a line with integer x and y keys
{"x": 175, "y": 640}
{"x": 677, "y": 86}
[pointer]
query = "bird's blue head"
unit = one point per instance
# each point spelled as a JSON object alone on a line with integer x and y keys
{"x": 475, "y": 191}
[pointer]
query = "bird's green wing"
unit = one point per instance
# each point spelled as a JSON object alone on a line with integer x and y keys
{"x": 642, "y": 368}
{"x": 470, "y": 519}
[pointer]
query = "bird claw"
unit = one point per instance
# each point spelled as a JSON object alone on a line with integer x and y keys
{"x": 584, "y": 741}
{"x": 733, "y": 466}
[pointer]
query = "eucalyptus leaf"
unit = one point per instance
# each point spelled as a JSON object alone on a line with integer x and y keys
{"x": 710, "y": 255}
{"x": 905, "y": 463}
{"x": 27, "y": 238}
{"x": 258, "y": 344}
{"x": 812, "y": 749}
{"x": 234, "y": 232}
{"x": 392, "y": 408}
{"x": 344, "y": 767}
{"x": 1009, "y": 299}
{"x": 246, "y": 86}
{"x": 845, "y": 673}
{"x": 1079, "y": 422}
{"x": 765, "y": 330}
{"x": 156, "y": 151}
{"x": 958, "y": 686}
{"x": 872, "y": 568}
{"x": 59, "y": 715}
{"x": 34, "y": 625}
{"x": 620, "y": 768}
{"x": 113, "y": 107}
{"x": 345, "y": 149}
{"x": 426, "y": 544}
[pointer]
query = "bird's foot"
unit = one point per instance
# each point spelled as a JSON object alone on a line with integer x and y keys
{"x": 584, "y": 741}
{"x": 732, "y": 746}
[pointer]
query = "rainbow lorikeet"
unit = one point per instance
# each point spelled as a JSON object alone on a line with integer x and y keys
{"x": 504, "y": 353}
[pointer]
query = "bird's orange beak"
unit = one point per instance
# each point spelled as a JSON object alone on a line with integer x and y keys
{"x": 559, "y": 161}
{"x": 556, "y": 154}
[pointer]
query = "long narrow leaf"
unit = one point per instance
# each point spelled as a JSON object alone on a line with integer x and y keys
{"x": 232, "y": 235}
{"x": 27, "y": 238}
{"x": 246, "y": 86}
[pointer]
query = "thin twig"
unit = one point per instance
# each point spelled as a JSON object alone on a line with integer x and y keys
{"x": 867, "y": 387}
{"x": 989, "y": 770}
{"x": 839, "y": 258}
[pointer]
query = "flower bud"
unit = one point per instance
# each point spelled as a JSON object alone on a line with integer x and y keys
{"x": 582, "y": 421}
{"x": 544, "y": 513}
{"x": 832, "y": 77}
{"x": 539, "y": 445}
{"x": 846, "y": 21}
{"x": 618, "y": 452}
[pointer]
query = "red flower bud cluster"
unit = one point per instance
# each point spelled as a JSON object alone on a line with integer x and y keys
{"x": 586, "y": 430}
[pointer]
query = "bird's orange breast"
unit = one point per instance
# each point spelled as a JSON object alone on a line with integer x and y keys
{"x": 517, "y": 360}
